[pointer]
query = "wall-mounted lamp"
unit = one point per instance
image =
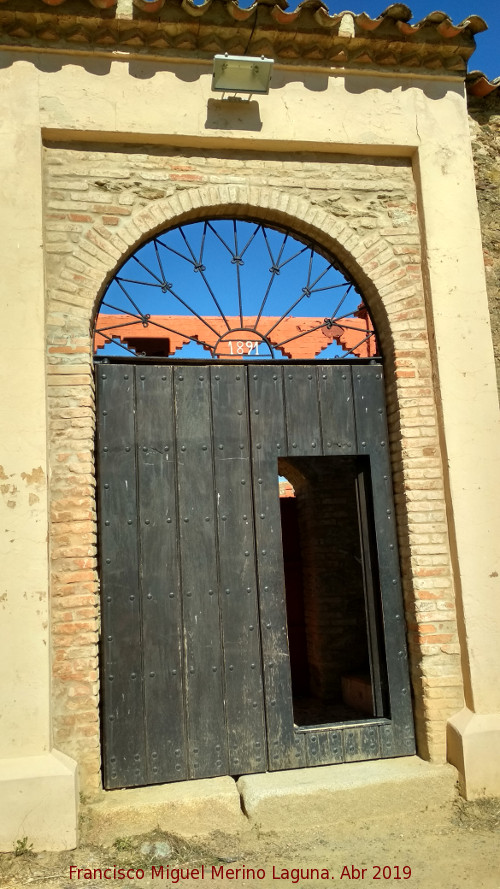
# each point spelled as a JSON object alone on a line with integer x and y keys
{"x": 241, "y": 74}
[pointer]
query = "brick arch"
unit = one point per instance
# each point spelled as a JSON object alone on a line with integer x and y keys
{"x": 369, "y": 260}
{"x": 389, "y": 277}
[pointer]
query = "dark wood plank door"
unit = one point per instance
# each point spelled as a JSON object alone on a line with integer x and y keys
{"x": 196, "y": 677}
{"x": 182, "y": 684}
{"x": 320, "y": 411}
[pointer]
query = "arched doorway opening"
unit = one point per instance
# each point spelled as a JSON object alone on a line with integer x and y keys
{"x": 249, "y": 356}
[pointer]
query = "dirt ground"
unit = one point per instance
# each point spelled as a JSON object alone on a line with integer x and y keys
{"x": 456, "y": 848}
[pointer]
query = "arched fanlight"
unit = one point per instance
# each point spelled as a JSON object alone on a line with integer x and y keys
{"x": 230, "y": 289}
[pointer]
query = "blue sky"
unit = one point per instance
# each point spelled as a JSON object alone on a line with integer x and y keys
{"x": 487, "y": 55}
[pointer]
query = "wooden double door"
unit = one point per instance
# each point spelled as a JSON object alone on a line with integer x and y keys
{"x": 195, "y": 661}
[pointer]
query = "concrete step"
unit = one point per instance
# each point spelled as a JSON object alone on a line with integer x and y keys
{"x": 347, "y": 793}
{"x": 274, "y": 801}
{"x": 187, "y": 808}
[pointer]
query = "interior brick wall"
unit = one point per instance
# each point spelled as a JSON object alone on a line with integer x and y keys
{"x": 99, "y": 205}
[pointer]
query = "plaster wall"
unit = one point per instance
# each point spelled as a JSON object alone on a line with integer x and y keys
{"x": 35, "y": 781}
{"x": 464, "y": 429}
{"x": 115, "y": 103}
{"x": 23, "y": 597}
{"x": 174, "y": 105}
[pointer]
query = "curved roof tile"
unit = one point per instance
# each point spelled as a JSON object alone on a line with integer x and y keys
{"x": 309, "y": 32}
{"x": 479, "y": 85}
{"x": 396, "y": 12}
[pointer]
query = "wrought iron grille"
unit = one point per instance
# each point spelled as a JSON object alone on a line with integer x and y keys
{"x": 236, "y": 290}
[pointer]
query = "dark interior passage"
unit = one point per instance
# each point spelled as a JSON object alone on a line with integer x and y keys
{"x": 325, "y": 590}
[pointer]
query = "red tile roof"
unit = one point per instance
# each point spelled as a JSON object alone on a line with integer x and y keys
{"x": 398, "y": 14}
{"x": 308, "y": 33}
{"x": 300, "y": 338}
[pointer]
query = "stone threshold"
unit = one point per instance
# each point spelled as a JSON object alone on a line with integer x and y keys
{"x": 273, "y": 800}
